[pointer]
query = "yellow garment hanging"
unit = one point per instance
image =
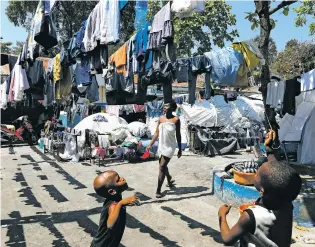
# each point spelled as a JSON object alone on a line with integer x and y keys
{"x": 250, "y": 58}
{"x": 57, "y": 68}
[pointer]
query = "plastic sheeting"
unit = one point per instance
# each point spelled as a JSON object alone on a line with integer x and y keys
{"x": 236, "y": 114}
{"x": 225, "y": 65}
{"x": 139, "y": 129}
{"x": 308, "y": 141}
{"x": 201, "y": 116}
{"x": 227, "y": 114}
{"x": 285, "y": 125}
{"x": 251, "y": 109}
{"x": 303, "y": 112}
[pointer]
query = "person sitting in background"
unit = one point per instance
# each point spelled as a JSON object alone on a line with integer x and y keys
{"x": 113, "y": 217}
{"x": 269, "y": 221}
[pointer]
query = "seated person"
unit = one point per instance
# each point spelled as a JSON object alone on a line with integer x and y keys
{"x": 269, "y": 221}
{"x": 113, "y": 217}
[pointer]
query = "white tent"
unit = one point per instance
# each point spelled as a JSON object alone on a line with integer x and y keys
{"x": 111, "y": 124}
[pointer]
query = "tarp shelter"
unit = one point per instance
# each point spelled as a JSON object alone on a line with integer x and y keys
{"x": 300, "y": 128}
{"x": 216, "y": 112}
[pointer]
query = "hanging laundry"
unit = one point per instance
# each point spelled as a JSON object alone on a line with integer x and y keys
{"x": 81, "y": 72}
{"x": 199, "y": 64}
{"x": 154, "y": 109}
{"x": 92, "y": 91}
{"x": 185, "y": 8}
{"x": 122, "y": 4}
{"x": 49, "y": 6}
{"x": 64, "y": 85}
{"x": 23, "y": 55}
{"x": 4, "y": 59}
{"x": 91, "y": 32}
{"x": 76, "y": 46}
{"x": 251, "y": 60}
{"x": 4, "y": 96}
{"x": 275, "y": 93}
{"x": 141, "y": 13}
{"x": 138, "y": 108}
{"x": 102, "y": 25}
{"x": 36, "y": 78}
{"x": 110, "y": 22}
{"x": 57, "y": 68}
{"x": 292, "y": 89}
{"x": 18, "y": 84}
{"x": 162, "y": 76}
{"x": 308, "y": 81}
{"x": 225, "y": 65}
{"x": 33, "y": 47}
{"x": 45, "y": 33}
{"x": 142, "y": 60}
{"x": 12, "y": 61}
{"x": 183, "y": 69}
{"x": 98, "y": 58}
{"x": 162, "y": 29}
{"x": 119, "y": 58}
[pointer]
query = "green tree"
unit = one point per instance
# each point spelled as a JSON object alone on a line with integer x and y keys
{"x": 17, "y": 49}
{"x": 262, "y": 18}
{"x": 5, "y": 47}
{"x": 199, "y": 30}
{"x": 296, "y": 58}
{"x": 305, "y": 9}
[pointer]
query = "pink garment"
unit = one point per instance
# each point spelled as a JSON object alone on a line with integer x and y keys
{"x": 138, "y": 108}
{"x": 101, "y": 152}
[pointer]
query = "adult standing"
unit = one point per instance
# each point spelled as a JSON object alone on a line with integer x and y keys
{"x": 168, "y": 130}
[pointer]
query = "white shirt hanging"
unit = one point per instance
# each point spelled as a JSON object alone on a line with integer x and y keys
{"x": 308, "y": 81}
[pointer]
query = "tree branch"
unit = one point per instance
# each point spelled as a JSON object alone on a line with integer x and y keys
{"x": 280, "y": 6}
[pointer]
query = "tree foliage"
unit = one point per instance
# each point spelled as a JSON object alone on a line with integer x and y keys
{"x": 305, "y": 9}
{"x": 6, "y": 47}
{"x": 200, "y": 30}
{"x": 296, "y": 58}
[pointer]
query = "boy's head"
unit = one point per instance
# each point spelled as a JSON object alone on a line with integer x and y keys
{"x": 278, "y": 182}
{"x": 109, "y": 184}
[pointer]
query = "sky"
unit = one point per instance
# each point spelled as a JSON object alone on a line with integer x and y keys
{"x": 283, "y": 32}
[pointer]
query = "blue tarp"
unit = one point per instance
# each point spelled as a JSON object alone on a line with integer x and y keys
{"x": 225, "y": 65}
{"x": 141, "y": 14}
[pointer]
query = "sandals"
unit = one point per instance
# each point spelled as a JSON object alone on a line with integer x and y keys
{"x": 171, "y": 183}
